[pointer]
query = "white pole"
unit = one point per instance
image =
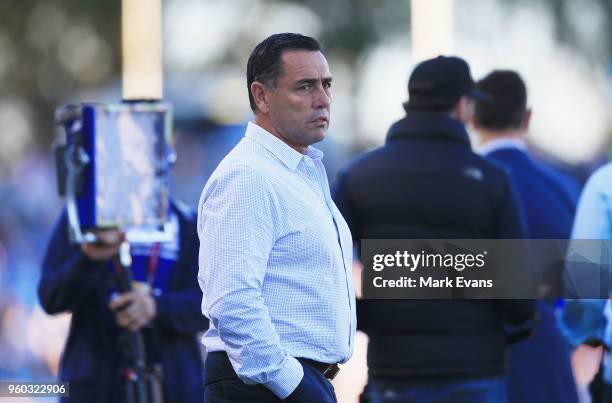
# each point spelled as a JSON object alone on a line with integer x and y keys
{"x": 141, "y": 37}
{"x": 432, "y": 28}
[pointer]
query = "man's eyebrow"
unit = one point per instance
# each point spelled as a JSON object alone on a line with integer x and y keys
{"x": 306, "y": 81}
{"x": 326, "y": 80}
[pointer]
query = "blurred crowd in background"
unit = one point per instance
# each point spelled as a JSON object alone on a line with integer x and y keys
{"x": 56, "y": 52}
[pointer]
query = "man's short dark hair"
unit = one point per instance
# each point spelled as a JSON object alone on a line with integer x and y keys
{"x": 507, "y": 104}
{"x": 265, "y": 62}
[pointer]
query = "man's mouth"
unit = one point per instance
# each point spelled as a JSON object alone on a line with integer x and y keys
{"x": 321, "y": 119}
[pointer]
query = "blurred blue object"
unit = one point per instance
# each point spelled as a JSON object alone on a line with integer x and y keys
{"x": 583, "y": 320}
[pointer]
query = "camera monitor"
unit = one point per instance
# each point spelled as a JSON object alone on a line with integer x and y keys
{"x": 116, "y": 162}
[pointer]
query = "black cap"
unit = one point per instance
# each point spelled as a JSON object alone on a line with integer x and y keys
{"x": 437, "y": 84}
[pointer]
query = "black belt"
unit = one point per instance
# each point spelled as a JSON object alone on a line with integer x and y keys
{"x": 328, "y": 370}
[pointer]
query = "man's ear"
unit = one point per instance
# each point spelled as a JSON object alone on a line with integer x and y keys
{"x": 474, "y": 122}
{"x": 460, "y": 112}
{"x": 526, "y": 120}
{"x": 260, "y": 95}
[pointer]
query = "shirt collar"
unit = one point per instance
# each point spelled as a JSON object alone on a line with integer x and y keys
{"x": 502, "y": 143}
{"x": 281, "y": 150}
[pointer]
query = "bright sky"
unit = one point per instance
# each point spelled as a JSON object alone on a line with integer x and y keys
{"x": 566, "y": 93}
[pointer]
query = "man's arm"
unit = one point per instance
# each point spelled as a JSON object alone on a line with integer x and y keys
{"x": 178, "y": 308}
{"x": 236, "y": 234}
{"x": 68, "y": 274}
{"x": 594, "y": 212}
{"x": 584, "y": 320}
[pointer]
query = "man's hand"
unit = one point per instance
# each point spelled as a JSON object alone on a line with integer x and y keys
{"x": 106, "y": 247}
{"x": 133, "y": 309}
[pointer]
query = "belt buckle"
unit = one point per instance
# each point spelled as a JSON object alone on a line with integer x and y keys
{"x": 331, "y": 371}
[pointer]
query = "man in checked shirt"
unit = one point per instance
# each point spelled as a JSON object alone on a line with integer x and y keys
{"x": 275, "y": 252}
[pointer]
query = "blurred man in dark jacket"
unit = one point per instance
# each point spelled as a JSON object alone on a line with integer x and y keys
{"x": 165, "y": 307}
{"x": 539, "y": 368}
{"x": 425, "y": 183}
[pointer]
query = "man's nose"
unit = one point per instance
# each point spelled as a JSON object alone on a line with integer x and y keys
{"x": 322, "y": 98}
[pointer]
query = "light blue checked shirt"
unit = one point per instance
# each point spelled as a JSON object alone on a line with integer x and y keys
{"x": 594, "y": 221}
{"x": 275, "y": 263}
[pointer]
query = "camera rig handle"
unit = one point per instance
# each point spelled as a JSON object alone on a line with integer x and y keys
{"x": 143, "y": 382}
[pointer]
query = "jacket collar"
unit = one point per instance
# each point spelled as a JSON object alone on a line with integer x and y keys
{"x": 428, "y": 125}
{"x": 502, "y": 144}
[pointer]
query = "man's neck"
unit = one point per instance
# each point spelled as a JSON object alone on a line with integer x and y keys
{"x": 265, "y": 124}
{"x": 492, "y": 140}
{"x": 486, "y": 136}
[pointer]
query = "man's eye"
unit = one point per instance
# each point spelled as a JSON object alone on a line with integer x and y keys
{"x": 327, "y": 85}
{"x": 304, "y": 87}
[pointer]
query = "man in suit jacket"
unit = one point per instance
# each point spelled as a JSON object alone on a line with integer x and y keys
{"x": 502, "y": 122}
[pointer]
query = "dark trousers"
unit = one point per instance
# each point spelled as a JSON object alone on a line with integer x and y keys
{"x": 224, "y": 386}
{"x": 491, "y": 390}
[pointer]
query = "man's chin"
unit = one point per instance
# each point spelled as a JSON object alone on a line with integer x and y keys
{"x": 317, "y": 135}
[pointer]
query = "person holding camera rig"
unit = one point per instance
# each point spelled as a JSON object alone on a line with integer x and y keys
{"x": 164, "y": 305}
